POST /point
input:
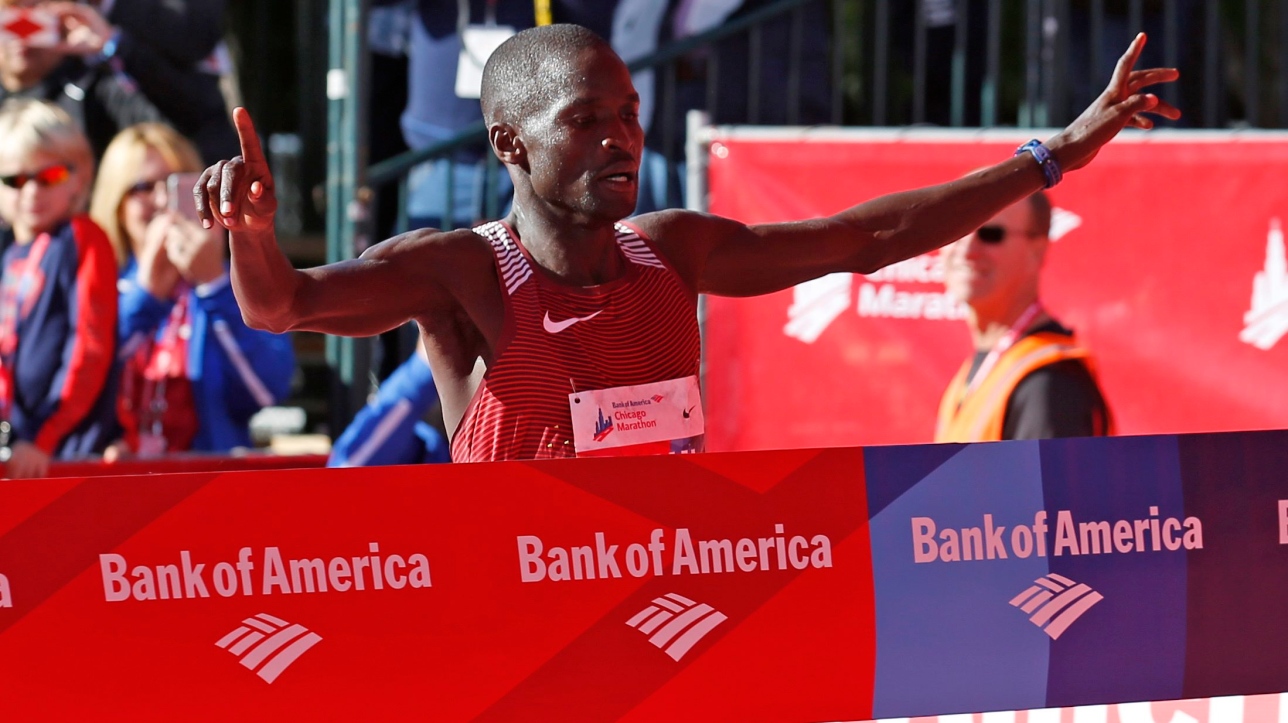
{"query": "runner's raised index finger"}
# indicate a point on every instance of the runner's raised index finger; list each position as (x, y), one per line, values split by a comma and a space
(250, 150)
(1128, 61)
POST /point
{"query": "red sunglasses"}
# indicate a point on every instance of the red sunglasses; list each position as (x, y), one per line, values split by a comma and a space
(45, 177)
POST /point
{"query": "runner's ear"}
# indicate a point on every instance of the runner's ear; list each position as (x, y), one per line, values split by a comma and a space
(506, 143)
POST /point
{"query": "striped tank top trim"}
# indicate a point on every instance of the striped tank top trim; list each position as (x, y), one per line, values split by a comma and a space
(634, 247)
(511, 263)
(515, 267)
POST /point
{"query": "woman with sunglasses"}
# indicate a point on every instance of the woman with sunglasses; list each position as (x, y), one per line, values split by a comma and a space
(193, 374)
(57, 296)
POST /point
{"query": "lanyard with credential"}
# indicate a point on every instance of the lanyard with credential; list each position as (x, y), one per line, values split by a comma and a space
(168, 361)
(12, 300)
(1008, 340)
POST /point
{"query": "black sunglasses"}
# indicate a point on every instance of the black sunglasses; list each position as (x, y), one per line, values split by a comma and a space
(144, 187)
(991, 234)
(45, 177)
(997, 234)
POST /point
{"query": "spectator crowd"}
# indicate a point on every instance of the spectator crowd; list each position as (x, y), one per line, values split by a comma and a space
(119, 332)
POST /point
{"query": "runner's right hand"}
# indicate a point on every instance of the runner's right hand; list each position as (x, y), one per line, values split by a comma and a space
(238, 194)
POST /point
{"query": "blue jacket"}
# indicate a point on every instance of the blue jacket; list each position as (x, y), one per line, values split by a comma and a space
(235, 370)
(390, 429)
(63, 396)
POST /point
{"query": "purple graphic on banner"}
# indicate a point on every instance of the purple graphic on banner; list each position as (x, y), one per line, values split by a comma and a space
(948, 556)
(1119, 527)
(1238, 485)
(900, 469)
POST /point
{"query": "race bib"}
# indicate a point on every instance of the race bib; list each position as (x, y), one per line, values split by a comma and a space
(659, 418)
(477, 44)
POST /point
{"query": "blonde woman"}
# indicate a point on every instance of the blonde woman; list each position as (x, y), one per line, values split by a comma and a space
(193, 373)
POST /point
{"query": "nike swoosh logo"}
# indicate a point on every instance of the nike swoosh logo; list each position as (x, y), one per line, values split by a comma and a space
(554, 327)
(687, 411)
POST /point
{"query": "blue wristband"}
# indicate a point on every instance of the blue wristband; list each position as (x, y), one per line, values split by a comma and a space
(1050, 167)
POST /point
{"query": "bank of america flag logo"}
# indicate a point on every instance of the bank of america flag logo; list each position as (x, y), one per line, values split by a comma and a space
(675, 623)
(1055, 602)
(268, 645)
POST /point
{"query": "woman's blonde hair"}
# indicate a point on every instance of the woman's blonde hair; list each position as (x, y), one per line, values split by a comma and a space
(30, 126)
(119, 170)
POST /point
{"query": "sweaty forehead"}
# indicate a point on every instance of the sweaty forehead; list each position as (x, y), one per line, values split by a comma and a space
(591, 78)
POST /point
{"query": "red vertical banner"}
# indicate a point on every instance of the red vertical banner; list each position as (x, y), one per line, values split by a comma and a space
(1168, 262)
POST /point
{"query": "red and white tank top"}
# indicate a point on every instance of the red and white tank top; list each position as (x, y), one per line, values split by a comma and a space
(559, 339)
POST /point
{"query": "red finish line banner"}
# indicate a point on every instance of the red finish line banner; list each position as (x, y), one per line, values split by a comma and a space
(1168, 261)
(640, 590)
(794, 586)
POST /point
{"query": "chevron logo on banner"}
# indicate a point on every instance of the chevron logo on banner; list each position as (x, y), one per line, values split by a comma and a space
(676, 623)
(268, 645)
(1056, 602)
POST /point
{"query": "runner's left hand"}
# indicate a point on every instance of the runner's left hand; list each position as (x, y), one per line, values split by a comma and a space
(1122, 104)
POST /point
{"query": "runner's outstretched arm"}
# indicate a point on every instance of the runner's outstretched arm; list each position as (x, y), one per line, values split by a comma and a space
(729, 258)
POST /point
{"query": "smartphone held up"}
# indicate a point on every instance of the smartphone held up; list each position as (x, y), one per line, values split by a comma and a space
(179, 196)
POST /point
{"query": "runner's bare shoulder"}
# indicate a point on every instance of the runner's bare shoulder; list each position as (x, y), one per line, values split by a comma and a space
(460, 262)
(683, 237)
(449, 251)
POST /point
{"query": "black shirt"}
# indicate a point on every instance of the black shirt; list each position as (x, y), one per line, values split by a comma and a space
(1056, 400)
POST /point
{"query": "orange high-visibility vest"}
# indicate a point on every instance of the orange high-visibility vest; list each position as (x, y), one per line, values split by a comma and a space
(979, 416)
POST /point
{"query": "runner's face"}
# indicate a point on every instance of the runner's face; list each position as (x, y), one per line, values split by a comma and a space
(585, 148)
(977, 272)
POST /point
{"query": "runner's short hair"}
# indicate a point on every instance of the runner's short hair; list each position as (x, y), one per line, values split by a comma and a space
(526, 72)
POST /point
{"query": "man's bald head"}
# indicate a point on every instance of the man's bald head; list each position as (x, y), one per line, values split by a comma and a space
(527, 72)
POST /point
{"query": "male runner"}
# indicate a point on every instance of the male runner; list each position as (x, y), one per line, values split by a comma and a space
(586, 325)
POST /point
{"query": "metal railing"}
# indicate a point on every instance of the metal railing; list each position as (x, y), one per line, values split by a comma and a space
(1030, 63)
(874, 63)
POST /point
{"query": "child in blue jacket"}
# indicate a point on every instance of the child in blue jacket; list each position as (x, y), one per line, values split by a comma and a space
(57, 296)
